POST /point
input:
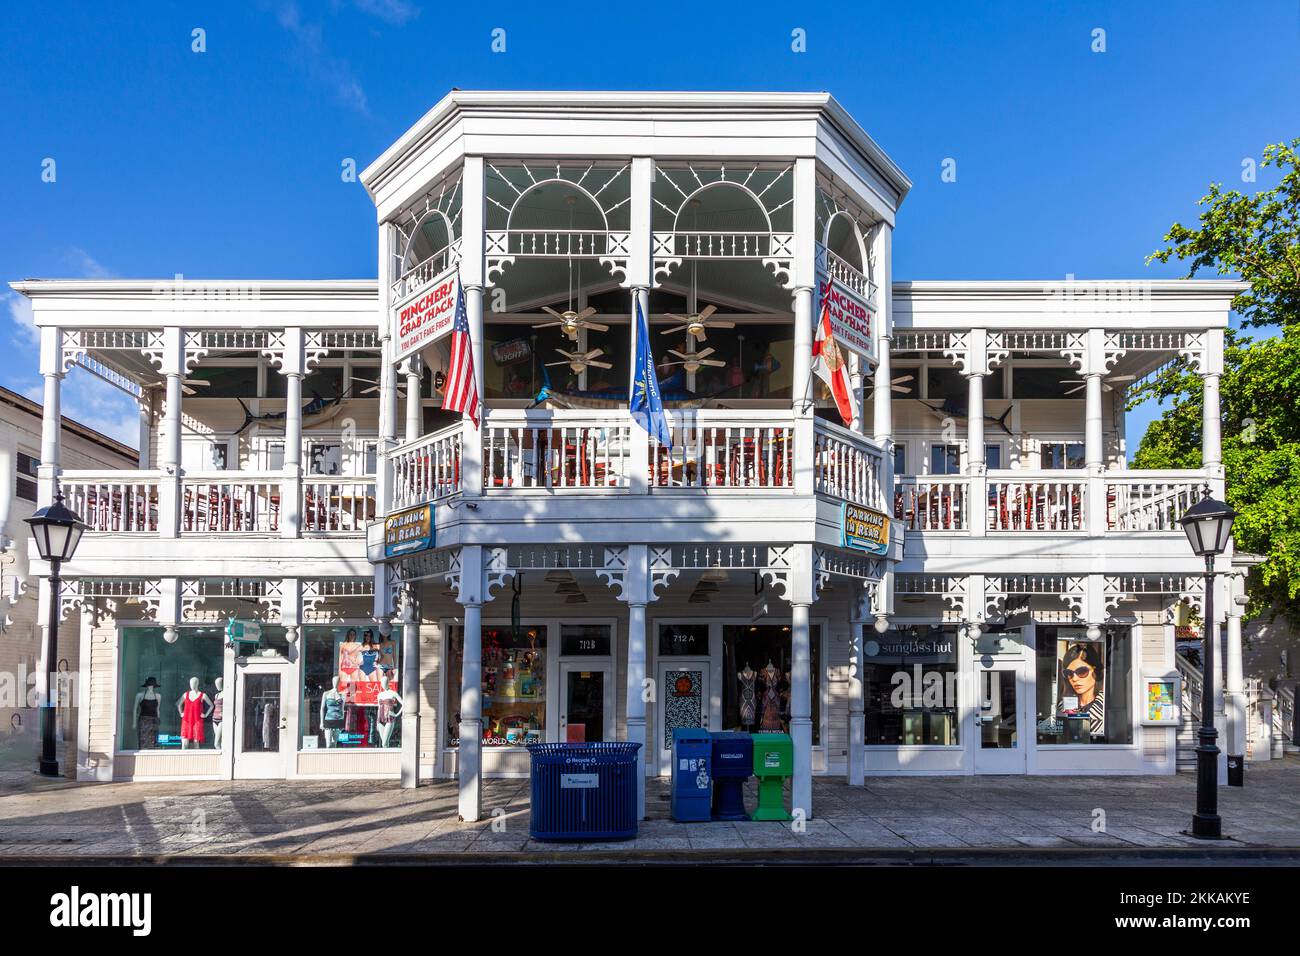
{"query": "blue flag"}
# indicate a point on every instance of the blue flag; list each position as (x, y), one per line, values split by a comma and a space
(646, 405)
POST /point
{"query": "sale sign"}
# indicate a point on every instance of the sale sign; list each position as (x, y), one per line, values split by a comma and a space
(851, 317)
(426, 316)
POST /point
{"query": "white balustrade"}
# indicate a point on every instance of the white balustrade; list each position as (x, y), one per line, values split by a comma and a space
(1029, 501)
(849, 277)
(846, 465)
(1148, 501)
(422, 273)
(724, 450)
(932, 502)
(337, 505)
(230, 502)
(427, 469)
(122, 502)
(556, 450)
(720, 245)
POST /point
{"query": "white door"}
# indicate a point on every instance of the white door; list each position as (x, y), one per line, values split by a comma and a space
(1003, 733)
(260, 730)
(587, 702)
(682, 700)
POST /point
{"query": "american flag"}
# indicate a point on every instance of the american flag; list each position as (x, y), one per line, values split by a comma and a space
(461, 393)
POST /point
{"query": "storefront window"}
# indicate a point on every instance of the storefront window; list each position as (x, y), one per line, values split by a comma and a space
(756, 678)
(156, 710)
(1085, 686)
(514, 685)
(351, 692)
(909, 686)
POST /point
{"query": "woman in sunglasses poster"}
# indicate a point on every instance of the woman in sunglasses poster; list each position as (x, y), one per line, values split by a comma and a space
(1082, 683)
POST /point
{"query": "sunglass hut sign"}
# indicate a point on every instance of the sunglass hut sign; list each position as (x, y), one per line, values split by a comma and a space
(428, 316)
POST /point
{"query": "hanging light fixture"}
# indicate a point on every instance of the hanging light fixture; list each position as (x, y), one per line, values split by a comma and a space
(558, 576)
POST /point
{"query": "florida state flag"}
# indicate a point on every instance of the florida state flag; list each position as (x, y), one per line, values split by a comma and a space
(828, 362)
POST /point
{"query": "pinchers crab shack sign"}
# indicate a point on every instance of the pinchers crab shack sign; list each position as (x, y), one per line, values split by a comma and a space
(852, 317)
(427, 316)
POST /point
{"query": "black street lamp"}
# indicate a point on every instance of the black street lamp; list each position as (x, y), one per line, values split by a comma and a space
(1208, 526)
(57, 531)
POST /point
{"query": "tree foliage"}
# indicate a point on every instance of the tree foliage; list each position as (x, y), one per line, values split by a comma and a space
(1258, 239)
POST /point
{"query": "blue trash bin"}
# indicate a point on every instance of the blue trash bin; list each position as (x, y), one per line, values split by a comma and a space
(583, 792)
(692, 780)
(733, 764)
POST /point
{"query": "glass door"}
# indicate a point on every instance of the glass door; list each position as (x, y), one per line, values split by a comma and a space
(682, 694)
(1001, 742)
(261, 725)
(587, 703)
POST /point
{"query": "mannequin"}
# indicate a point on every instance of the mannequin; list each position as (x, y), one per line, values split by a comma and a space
(218, 708)
(194, 707)
(144, 715)
(770, 719)
(390, 708)
(331, 712)
(748, 702)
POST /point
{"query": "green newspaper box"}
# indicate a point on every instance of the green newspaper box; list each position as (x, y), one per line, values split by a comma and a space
(773, 763)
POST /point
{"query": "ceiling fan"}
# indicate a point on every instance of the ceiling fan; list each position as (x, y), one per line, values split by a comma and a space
(899, 384)
(570, 321)
(698, 324)
(187, 384)
(1105, 383)
(374, 385)
(694, 361)
(579, 361)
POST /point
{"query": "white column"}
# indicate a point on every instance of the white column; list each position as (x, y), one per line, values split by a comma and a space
(414, 377)
(858, 614)
(856, 379)
(636, 709)
(882, 395)
(169, 435)
(144, 405)
(291, 482)
(803, 339)
(410, 677)
(1093, 446)
(1211, 426)
(801, 708)
(469, 766)
(387, 379)
(51, 416)
(1233, 684)
(474, 279)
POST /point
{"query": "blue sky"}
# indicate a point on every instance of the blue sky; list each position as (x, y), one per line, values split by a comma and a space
(226, 163)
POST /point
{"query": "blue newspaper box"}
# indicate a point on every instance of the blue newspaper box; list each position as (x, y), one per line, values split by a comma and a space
(733, 764)
(692, 781)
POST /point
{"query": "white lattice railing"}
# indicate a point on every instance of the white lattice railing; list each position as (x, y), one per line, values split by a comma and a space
(846, 465)
(722, 245)
(1043, 501)
(337, 505)
(421, 274)
(122, 502)
(230, 502)
(932, 502)
(556, 449)
(1149, 501)
(427, 469)
(849, 277)
(732, 449)
(555, 243)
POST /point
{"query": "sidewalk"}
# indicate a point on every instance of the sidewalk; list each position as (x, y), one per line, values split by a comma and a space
(911, 819)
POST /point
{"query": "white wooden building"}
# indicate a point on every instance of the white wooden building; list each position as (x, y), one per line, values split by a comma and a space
(587, 581)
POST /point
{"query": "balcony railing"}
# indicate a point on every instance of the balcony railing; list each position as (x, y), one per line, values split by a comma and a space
(724, 450)
(1044, 501)
(931, 503)
(230, 503)
(846, 465)
(118, 502)
(427, 469)
(1149, 500)
(555, 450)
(337, 505)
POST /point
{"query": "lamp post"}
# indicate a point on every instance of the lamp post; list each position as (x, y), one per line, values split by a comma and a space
(1208, 526)
(57, 532)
